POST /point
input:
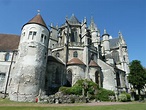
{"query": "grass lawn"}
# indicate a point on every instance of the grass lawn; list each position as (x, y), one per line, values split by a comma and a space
(34, 106)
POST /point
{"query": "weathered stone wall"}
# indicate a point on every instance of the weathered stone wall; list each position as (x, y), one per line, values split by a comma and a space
(78, 72)
(55, 77)
(28, 73)
(62, 53)
(109, 81)
(122, 79)
(5, 67)
(92, 71)
(79, 51)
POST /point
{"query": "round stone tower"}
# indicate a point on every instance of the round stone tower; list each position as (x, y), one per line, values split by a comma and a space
(28, 74)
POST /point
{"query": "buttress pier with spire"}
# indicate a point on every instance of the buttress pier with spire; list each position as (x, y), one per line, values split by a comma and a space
(46, 58)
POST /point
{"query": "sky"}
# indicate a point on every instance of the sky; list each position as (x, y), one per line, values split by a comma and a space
(127, 16)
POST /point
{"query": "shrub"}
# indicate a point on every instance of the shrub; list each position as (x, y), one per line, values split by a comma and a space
(128, 97)
(103, 94)
(122, 97)
(64, 90)
(124, 94)
(76, 89)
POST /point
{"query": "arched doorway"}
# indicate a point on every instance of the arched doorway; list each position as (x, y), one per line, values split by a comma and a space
(69, 78)
(97, 77)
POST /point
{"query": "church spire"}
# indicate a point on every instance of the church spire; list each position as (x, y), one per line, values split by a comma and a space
(120, 34)
(93, 26)
(105, 32)
(121, 38)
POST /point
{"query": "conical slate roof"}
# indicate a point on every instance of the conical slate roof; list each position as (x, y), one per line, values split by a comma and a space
(93, 64)
(74, 20)
(75, 61)
(37, 20)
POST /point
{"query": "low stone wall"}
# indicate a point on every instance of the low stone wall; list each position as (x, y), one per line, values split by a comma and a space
(61, 99)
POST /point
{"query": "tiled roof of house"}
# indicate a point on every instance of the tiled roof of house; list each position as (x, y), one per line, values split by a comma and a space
(93, 64)
(75, 61)
(9, 42)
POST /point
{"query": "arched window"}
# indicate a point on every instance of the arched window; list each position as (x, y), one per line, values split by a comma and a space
(32, 34)
(118, 79)
(23, 34)
(75, 54)
(92, 56)
(57, 54)
(69, 78)
(73, 35)
(2, 79)
(115, 55)
(42, 37)
(7, 55)
(97, 77)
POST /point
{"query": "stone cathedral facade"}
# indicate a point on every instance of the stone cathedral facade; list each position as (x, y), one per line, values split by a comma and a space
(42, 58)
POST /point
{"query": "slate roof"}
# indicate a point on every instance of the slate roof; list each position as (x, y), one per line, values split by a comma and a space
(53, 59)
(114, 42)
(9, 42)
(75, 61)
(73, 20)
(37, 20)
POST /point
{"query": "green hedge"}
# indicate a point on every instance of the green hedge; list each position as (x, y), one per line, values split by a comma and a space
(91, 89)
(89, 86)
(103, 94)
(124, 97)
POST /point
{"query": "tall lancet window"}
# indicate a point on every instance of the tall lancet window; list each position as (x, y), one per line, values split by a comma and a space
(34, 34)
(73, 35)
(115, 55)
(31, 35)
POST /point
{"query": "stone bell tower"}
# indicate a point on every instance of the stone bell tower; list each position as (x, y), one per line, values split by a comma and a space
(29, 71)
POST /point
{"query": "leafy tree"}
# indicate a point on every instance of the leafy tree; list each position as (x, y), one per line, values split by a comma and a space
(137, 75)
